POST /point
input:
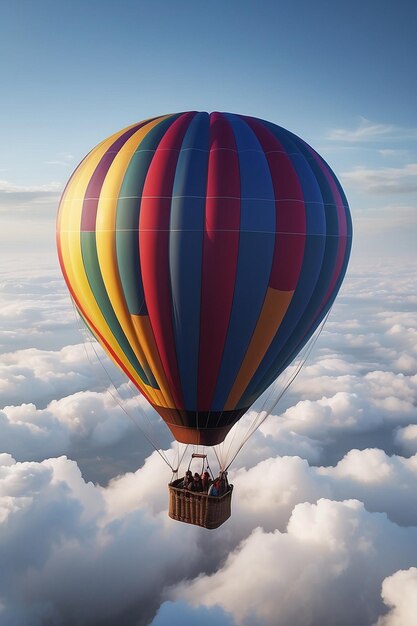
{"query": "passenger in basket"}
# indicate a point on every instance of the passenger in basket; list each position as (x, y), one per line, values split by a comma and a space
(197, 484)
(214, 488)
(224, 484)
(188, 479)
(205, 479)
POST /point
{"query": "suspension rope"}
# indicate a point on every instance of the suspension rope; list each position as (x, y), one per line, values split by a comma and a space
(135, 396)
(263, 415)
(179, 460)
(217, 457)
(219, 450)
(252, 427)
(117, 396)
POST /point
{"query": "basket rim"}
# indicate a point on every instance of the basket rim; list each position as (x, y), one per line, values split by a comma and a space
(180, 490)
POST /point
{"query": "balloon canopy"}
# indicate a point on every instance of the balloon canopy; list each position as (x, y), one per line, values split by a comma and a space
(203, 251)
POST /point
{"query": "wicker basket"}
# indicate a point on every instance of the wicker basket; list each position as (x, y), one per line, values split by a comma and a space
(199, 508)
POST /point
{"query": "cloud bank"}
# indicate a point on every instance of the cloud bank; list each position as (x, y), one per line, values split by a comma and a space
(323, 508)
(84, 554)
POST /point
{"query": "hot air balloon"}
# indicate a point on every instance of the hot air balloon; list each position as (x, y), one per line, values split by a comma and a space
(203, 251)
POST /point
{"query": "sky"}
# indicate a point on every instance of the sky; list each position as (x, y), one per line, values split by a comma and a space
(324, 507)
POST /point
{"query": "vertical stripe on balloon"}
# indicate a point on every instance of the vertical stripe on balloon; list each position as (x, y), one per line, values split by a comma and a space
(273, 311)
(154, 223)
(186, 249)
(90, 253)
(71, 256)
(202, 252)
(335, 221)
(220, 252)
(127, 248)
(288, 254)
(127, 216)
(342, 224)
(309, 275)
(308, 322)
(255, 254)
(290, 211)
(106, 250)
(97, 286)
(88, 217)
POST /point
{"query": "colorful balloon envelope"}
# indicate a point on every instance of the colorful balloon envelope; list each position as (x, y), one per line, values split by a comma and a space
(203, 251)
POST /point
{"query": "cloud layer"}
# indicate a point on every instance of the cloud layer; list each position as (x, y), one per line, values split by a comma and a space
(27, 197)
(91, 555)
(323, 508)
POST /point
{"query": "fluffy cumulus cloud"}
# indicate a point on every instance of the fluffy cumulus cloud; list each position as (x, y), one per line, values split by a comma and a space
(406, 437)
(358, 389)
(55, 394)
(65, 559)
(329, 550)
(324, 502)
(269, 491)
(28, 431)
(84, 554)
(35, 311)
(42, 375)
(399, 593)
(107, 431)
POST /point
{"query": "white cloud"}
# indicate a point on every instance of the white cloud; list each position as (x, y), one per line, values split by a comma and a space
(406, 437)
(62, 158)
(373, 477)
(399, 593)
(124, 557)
(384, 220)
(6, 459)
(68, 562)
(40, 375)
(363, 404)
(370, 467)
(387, 180)
(367, 131)
(28, 197)
(360, 379)
(330, 550)
(35, 309)
(391, 152)
(7, 187)
(351, 409)
(267, 492)
(94, 420)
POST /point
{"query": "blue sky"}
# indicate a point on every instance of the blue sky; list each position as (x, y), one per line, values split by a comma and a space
(341, 75)
(75, 71)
